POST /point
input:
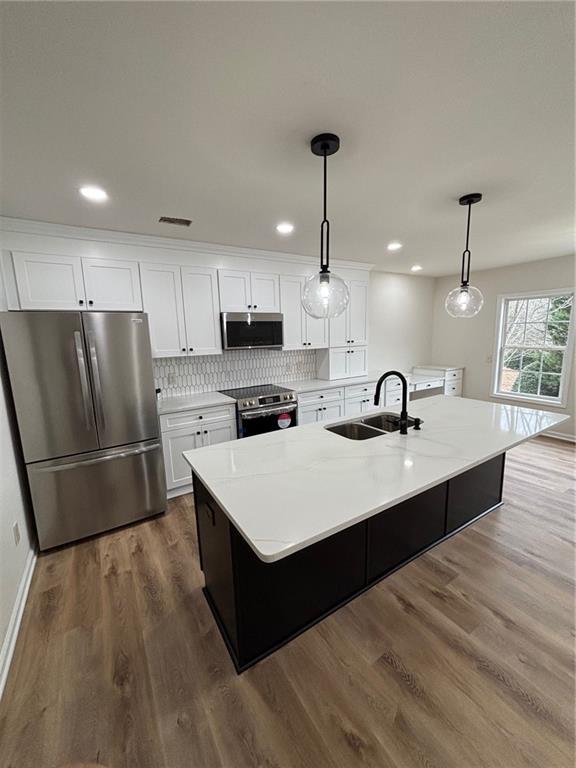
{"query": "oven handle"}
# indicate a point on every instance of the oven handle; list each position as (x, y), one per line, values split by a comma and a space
(267, 412)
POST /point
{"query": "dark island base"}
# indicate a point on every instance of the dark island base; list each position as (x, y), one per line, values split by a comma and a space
(260, 606)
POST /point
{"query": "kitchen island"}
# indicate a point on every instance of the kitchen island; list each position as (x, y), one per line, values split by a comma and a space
(293, 524)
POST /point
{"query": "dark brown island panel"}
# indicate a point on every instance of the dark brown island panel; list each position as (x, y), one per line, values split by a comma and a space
(260, 606)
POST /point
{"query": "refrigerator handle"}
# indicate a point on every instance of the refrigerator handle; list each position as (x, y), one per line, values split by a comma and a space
(99, 460)
(97, 384)
(86, 399)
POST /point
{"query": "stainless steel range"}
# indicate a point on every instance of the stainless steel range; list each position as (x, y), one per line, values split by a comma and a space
(264, 408)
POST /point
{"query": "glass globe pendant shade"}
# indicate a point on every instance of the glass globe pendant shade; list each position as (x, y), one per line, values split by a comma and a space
(464, 301)
(325, 295)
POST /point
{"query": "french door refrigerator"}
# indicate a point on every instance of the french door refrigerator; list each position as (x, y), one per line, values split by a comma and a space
(85, 404)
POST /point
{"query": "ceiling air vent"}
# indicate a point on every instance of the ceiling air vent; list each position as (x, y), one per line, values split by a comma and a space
(174, 220)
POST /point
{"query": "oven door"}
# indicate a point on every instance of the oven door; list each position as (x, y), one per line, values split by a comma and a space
(250, 330)
(263, 420)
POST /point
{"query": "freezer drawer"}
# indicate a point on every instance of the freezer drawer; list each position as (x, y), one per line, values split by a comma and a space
(100, 490)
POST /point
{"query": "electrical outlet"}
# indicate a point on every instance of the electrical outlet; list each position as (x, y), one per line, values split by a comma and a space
(16, 532)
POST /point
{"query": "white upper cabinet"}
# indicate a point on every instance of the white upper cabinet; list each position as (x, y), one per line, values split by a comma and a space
(201, 310)
(235, 290)
(293, 314)
(46, 281)
(182, 307)
(351, 327)
(248, 291)
(112, 285)
(358, 313)
(342, 362)
(300, 330)
(162, 299)
(265, 292)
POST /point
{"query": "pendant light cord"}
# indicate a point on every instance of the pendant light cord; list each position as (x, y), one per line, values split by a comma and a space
(325, 226)
(465, 272)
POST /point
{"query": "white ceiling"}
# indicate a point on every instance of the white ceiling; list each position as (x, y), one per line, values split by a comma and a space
(205, 111)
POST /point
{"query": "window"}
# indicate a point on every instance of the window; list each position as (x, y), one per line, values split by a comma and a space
(534, 343)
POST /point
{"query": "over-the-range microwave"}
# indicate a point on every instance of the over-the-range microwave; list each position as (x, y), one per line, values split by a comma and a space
(250, 330)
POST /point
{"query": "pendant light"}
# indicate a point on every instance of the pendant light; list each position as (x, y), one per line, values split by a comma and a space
(325, 294)
(466, 300)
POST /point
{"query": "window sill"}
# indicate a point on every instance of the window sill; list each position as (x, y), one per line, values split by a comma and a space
(551, 402)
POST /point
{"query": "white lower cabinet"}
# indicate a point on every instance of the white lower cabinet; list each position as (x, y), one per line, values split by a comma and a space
(358, 406)
(309, 414)
(187, 430)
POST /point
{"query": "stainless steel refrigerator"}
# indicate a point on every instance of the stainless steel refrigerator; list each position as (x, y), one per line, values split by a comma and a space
(85, 405)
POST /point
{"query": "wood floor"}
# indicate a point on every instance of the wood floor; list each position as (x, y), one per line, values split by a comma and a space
(462, 659)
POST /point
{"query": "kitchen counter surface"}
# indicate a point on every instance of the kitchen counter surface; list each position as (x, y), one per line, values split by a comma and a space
(191, 402)
(310, 385)
(287, 489)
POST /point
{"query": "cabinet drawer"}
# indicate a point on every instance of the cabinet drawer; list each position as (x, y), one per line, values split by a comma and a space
(394, 398)
(180, 419)
(393, 384)
(456, 373)
(321, 395)
(453, 388)
(361, 390)
(430, 385)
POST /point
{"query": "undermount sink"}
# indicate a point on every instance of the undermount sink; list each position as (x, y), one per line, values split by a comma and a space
(355, 431)
(372, 426)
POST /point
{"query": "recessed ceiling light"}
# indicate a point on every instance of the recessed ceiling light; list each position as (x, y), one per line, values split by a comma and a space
(415, 268)
(285, 228)
(95, 194)
(395, 245)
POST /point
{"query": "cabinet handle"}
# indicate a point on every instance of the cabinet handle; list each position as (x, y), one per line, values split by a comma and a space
(198, 433)
(321, 397)
(183, 349)
(81, 302)
(90, 302)
(200, 417)
(191, 349)
(255, 306)
(205, 431)
(249, 306)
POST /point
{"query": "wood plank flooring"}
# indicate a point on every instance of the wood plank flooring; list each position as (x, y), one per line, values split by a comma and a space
(462, 659)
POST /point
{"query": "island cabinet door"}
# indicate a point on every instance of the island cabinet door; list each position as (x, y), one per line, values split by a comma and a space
(399, 533)
(474, 492)
(278, 600)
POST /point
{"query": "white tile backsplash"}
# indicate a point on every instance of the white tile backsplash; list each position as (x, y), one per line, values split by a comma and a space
(239, 368)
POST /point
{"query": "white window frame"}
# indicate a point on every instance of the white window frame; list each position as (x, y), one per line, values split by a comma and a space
(561, 400)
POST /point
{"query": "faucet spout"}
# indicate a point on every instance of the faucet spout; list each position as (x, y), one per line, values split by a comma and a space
(404, 410)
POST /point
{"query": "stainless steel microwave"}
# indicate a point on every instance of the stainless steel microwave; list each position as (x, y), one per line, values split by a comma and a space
(250, 330)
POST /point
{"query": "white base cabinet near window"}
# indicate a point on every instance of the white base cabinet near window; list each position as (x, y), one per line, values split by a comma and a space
(51, 281)
(183, 310)
(453, 378)
(187, 430)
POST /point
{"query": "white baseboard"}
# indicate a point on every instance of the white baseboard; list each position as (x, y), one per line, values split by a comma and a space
(9, 643)
(179, 491)
(560, 436)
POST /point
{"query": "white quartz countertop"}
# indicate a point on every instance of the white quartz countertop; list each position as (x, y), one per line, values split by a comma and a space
(191, 402)
(310, 385)
(287, 489)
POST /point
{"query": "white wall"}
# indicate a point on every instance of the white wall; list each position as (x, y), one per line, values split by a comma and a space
(15, 561)
(471, 342)
(400, 331)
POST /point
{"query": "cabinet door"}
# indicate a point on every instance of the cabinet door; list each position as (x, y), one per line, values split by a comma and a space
(339, 329)
(357, 361)
(308, 414)
(339, 363)
(316, 332)
(332, 411)
(112, 285)
(358, 313)
(178, 471)
(46, 281)
(265, 290)
(353, 407)
(162, 299)
(474, 492)
(218, 433)
(201, 310)
(235, 292)
(291, 308)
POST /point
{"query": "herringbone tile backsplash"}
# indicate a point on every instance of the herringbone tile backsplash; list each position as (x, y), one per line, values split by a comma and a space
(239, 368)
